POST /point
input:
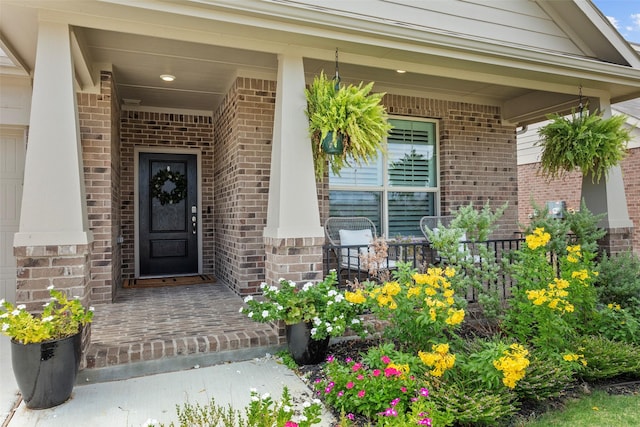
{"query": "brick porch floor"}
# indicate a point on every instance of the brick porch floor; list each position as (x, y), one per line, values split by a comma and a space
(170, 323)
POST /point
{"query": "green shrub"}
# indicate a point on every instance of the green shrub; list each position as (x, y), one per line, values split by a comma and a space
(608, 359)
(471, 403)
(618, 281)
(616, 323)
(546, 378)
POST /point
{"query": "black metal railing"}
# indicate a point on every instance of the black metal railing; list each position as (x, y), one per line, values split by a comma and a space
(352, 262)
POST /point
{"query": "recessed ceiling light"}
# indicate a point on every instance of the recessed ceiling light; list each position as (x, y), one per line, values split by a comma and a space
(401, 71)
(167, 77)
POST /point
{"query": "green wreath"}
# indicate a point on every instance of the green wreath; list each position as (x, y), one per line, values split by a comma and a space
(176, 195)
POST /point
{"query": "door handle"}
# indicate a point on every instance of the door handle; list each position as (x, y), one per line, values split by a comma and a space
(194, 220)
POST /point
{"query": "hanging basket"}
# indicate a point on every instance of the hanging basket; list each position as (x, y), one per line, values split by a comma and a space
(331, 146)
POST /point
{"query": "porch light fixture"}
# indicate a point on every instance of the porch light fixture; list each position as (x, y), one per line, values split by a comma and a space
(167, 77)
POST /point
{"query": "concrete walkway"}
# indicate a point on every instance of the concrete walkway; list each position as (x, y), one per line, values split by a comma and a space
(131, 402)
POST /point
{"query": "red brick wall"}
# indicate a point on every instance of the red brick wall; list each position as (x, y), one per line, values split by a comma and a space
(569, 189)
(97, 127)
(243, 133)
(153, 129)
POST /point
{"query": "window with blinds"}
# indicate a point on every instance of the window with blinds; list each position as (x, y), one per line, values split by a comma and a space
(398, 188)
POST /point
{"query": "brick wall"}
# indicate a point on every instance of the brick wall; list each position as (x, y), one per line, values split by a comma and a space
(477, 154)
(243, 133)
(531, 184)
(100, 174)
(153, 129)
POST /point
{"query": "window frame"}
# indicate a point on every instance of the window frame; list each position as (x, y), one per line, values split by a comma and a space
(386, 188)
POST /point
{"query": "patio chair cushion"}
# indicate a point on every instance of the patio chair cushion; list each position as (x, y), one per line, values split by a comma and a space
(362, 238)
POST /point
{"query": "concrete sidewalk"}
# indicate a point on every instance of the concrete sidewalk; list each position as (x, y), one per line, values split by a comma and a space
(131, 402)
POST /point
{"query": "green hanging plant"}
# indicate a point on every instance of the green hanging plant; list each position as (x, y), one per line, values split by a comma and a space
(585, 142)
(350, 113)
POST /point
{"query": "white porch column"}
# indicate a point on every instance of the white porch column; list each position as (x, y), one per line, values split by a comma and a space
(53, 203)
(293, 201)
(608, 195)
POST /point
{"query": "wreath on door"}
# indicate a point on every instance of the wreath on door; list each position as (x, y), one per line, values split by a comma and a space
(174, 196)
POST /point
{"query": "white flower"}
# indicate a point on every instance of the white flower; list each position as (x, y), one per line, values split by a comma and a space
(76, 297)
(5, 327)
(313, 331)
(332, 293)
(253, 390)
(46, 304)
(317, 321)
(248, 298)
(306, 404)
(15, 312)
(339, 297)
(302, 418)
(266, 396)
(255, 398)
(316, 401)
(265, 313)
(287, 408)
(279, 307)
(241, 310)
(250, 314)
(49, 287)
(2, 301)
(263, 285)
(307, 286)
(150, 423)
(329, 302)
(355, 321)
(21, 307)
(329, 329)
(4, 315)
(274, 289)
(92, 308)
(47, 319)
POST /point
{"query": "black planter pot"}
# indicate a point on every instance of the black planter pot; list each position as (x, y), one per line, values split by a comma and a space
(304, 349)
(46, 371)
(328, 145)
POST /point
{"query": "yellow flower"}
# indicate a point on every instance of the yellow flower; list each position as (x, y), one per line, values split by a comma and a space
(450, 272)
(391, 288)
(538, 238)
(580, 275)
(513, 364)
(561, 283)
(439, 359)
(414, 291)
(455, 317)
(430, 291)
(356, 297)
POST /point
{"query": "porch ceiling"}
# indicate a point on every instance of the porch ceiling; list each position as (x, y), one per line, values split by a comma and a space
(207, 48)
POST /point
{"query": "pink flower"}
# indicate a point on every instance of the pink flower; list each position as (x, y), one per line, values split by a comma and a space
(361, 394)
(330, 358)
(385, 360)
(356, 367)
(424, 392)
(395, 401)
(350, 385)
(348, 360)
(360, 377)
(388, 372)
(376, 372)
(351, 416)
(290, 424)
(390, 412)
(340, 393)
(425, 422)
(403, 389)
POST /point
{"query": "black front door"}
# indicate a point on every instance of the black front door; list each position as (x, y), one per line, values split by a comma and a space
(168, 214)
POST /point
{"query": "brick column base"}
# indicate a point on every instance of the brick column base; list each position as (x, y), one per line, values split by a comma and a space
(66, 267)
(295, 259)
(617, 240)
